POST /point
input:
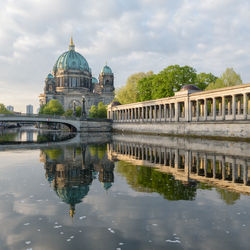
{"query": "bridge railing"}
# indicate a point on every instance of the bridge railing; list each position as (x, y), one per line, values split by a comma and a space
(41, 116)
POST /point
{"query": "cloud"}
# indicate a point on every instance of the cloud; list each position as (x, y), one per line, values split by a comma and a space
(132, 36)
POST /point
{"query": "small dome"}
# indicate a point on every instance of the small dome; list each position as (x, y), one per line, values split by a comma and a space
(94, 80)
(115, 103)
(190, 87)
(106, 70)
(50, 76)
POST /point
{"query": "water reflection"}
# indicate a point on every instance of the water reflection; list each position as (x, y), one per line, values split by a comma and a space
(131, 193)
(186, 165)
(72, 170)
(28, 135)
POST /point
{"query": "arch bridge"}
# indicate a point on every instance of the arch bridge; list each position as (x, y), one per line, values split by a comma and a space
(72, 123)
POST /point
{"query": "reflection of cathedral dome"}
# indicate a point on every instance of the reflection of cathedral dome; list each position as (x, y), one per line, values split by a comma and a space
(94, 80)
(71, 60)
(106, 70)
(107, 185)
(73, 195)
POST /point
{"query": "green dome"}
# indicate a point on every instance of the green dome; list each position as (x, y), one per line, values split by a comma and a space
(106, 70)
(94, 80)
(71, 60)
(50, 76)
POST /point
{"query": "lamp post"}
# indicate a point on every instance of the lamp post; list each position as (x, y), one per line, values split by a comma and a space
(74, 108)
(83, 107)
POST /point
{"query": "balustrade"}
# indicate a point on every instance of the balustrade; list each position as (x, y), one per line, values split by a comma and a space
(231, 103)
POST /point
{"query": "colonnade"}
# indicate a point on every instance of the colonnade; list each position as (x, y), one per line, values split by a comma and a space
(190, 163)
(232, 103)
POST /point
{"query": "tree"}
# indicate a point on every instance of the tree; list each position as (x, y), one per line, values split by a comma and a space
(98, 112)
(144, 89)
(78, 111)
(53, 107)
(101, 110)
(204, 79)
(68, 113)
(165, 83)
(228, 78)
(4, 110)
(128, 93)
(93, 112)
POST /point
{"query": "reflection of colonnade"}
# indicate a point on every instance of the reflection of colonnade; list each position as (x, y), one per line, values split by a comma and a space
(189, 104)
(224, 170)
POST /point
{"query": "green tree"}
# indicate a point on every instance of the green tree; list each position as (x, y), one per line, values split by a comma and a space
(4, 110)
(128, 93)
(144, 89)
(68, 113)
(53, 107)
(78, 111)
(93, 112)
(228, 78)
(101, 110)
(204, 79)
(98, 112)
(165, 83)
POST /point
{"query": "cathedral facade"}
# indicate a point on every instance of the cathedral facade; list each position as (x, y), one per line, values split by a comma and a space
(72, 79)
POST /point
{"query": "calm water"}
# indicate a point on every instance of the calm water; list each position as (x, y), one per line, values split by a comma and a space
(127, 193)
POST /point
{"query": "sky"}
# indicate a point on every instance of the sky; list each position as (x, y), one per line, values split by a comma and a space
(130, 35)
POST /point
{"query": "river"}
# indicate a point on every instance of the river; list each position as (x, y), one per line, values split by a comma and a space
(72, 191)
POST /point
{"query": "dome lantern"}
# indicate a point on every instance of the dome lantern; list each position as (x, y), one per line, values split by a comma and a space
(72, 45)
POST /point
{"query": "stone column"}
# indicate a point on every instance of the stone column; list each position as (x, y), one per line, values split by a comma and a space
(197, 110)
(192, 110)
(205, 165)
(151, 113)
(176, 159)
(229, 106)
(245, 174)
(214, 167)
(239, 106)
(234, 166)
(248, 110)
(170, 112)
(187, 163)
(165, 112)
(198, 163)
(160, 155)
(165, 157)
(214, 108)
(155, 113)
(220, 108)
(233, 107)
(245, 105)
(205, 109)
(223, 168)
(160, 112)
(223, 107)
(177, 111)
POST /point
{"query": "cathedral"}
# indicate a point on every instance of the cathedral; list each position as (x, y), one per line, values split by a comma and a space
(72, 79)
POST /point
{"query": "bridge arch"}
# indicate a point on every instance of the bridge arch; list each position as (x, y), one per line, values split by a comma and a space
(73, 125)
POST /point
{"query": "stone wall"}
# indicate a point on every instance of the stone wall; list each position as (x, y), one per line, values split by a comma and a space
(95, 125)
(227, 129)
